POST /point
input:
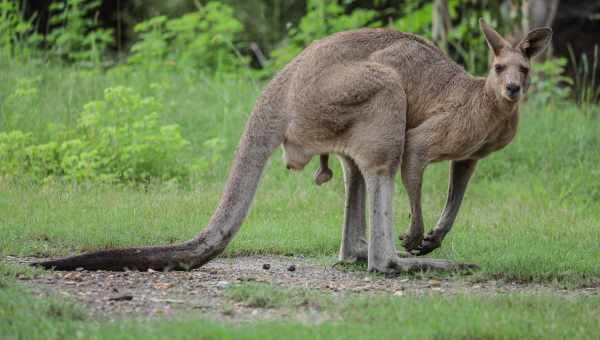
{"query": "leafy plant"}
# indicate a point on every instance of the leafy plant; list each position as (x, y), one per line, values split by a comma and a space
(204, 39)
(152, 47)
(549, 82)
(76, 36)
(12, 152)
(117, 139)
(17, 36)
(416, 18)
(18, 104)
(467, 43)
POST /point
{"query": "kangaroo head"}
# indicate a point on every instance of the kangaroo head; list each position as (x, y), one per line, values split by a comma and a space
(510, 65)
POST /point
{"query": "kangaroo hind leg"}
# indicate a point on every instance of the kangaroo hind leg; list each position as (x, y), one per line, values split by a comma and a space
(354, 229)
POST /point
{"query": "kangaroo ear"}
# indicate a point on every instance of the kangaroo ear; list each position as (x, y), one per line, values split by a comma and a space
(535, 42)
(494, 40)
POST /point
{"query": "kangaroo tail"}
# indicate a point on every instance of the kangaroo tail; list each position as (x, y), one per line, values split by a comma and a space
(263, 133)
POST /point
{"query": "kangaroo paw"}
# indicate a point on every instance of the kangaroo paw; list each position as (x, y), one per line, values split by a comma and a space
(411, 241)
(430, 243)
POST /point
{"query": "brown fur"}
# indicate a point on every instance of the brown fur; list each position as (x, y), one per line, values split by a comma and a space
(382, 100)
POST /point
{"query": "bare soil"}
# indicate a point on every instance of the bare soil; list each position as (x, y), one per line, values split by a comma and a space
(115, 295)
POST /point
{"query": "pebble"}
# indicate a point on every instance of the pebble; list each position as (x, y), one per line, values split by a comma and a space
(222, 284)
(435, 283)
(125, 297)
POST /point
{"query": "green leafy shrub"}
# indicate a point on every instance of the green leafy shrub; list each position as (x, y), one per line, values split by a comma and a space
(117, 139)
(76, 37)
(416, 17)
(467, 44)
(17, 104)
(204, 39)
(152, 46)
(12, 152)
(120, 139)
(548, 81)
(17, 36)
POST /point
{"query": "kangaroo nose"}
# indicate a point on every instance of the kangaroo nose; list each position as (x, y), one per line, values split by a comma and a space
(513, 89)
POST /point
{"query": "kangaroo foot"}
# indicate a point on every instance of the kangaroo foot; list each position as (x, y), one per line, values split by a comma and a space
(431, 242)
(396, 265)
(411, 241)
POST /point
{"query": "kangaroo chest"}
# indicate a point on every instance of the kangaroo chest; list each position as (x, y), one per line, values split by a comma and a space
(498, 137)
(448, 139)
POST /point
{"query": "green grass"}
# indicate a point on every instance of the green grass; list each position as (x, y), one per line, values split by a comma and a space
(531, 213)
(261, 295)
(515, 316)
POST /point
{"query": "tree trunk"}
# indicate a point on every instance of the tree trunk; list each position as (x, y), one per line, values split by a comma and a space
(538, 13)
(441, 23)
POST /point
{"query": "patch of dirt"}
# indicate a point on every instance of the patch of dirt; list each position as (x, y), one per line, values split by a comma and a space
(115, 295)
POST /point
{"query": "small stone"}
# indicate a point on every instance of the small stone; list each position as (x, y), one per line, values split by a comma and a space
(79, 269)
(125, 297)
(435, 283)
(247, 279)
(291, 268)
(266, 266)
(163, 285)
(222, 284)
(399, 293)
(150, 270)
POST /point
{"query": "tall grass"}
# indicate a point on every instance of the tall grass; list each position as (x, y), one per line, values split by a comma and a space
(586, 84)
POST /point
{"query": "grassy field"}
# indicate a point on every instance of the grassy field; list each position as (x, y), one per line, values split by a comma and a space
(514, 316)
(530, 215)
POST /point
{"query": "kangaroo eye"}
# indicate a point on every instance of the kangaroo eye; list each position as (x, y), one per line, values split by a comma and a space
(499, 68)
(524, 70)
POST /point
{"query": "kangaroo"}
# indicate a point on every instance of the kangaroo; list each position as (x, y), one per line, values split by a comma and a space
(382, 101)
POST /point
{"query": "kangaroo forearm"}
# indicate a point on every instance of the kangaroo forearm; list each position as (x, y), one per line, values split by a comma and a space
(460, 174)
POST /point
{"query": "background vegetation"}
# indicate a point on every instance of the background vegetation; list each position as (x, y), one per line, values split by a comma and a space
(113, 135)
